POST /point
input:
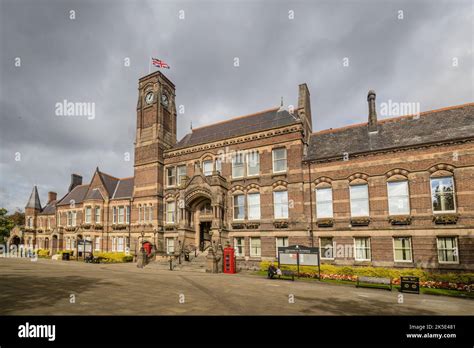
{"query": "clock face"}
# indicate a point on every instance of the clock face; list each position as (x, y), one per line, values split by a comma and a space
(164, 100)
(149, 98)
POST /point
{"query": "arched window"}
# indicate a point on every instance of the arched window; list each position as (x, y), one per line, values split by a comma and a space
(443, 198)
(324, 202)
(398, 195)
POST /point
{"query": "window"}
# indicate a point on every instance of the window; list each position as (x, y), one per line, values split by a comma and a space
(144, 212)
(255, 247)
(121, 215)
(402, 249)
(30, 222)
(74, 216)
(327, 248)
(69, 218)
(398, 198)
(442, 195)
(68, 243)
(120, 244)
(97, 215)
(170, 174)
(238, 165)
(239, 246)
(59, 219)
(49, 223)
(448, 250)
(181, 174)
(127, 214)
(114, 244)
(97, 243)
(253, 163)
(207, 167)
(218, 165)
(281, 242)
(170, 212)
(359, 200)
(324, 203)
(150, 213)
(280, 204)
(88, 215)
(239, 207)
(139, 213)
(114, 215)
(253, 206)
(170, 245)
(279, 160)
(362, 249)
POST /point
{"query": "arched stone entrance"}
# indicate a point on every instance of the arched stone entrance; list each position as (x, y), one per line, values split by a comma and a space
(16, 240)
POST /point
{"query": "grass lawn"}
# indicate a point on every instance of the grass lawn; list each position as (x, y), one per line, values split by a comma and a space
(426, 291)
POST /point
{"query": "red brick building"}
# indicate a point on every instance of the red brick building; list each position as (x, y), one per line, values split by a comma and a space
(395, 192)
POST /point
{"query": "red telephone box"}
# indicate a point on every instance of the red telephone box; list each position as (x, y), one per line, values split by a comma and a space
(147, 247)
(229, 260)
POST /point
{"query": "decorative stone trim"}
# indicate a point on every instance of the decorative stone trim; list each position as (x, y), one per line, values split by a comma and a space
(280, 224)
(360, 221)
(280, 183)
(325, 222)
(323, 179)
(170, 227)
(358, 176)
(397, 171)
(400, 220)
(253, 225)
(86, 226)
(237, 188)
(98, 227)
(441, 166)
(70, 229)
(253, 186)
(119, 227)
(238, 226)
(445, 219)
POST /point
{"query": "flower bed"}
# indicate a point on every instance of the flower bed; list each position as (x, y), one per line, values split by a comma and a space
(453, 281)
(105, 257)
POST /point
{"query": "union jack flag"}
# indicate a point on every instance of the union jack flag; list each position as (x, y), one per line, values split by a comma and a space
(159, 63)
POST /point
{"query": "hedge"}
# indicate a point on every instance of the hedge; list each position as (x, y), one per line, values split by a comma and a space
(43, 253)
(109, 257)
(430, 279)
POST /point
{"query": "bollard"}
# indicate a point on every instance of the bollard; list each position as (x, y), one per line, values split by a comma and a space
(171, 264)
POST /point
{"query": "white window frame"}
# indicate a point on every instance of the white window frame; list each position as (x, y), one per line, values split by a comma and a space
(218, 165)
(69, 218)
(74, 218)
(97, 243)
(179, 175)
(88, 215)
(68, 243)
(120, 244)
(97, 215)
(150, 212)
(168, 176)
(127, 214)
(365, 248)
(114, 215)
(252, 254)
(233, 207)
(322, 247)
(172, 212)
(208, 162)
(352, 200)
(454, 195)
(318, 213)
(456, 249)
(407, 197)
(280, 159)
(275, 210)
(121, 215)
(241, 245)
(168, 245)
(285, 243)
(241, 165)
(254, 206)
(248, 161)
(395, 249)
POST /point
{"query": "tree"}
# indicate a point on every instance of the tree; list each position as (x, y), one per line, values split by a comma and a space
(6, 224)
(18, 218)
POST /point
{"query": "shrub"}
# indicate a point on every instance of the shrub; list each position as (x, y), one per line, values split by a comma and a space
(112, 257)
(43, 253)
(61, 252)
(460, 281)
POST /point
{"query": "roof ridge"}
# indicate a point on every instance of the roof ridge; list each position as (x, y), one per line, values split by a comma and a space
(110, 176)
(116, 187)
(237, 118)
(393, 119)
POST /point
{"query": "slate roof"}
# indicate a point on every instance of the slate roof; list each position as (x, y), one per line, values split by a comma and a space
(456, 122)
(94, 194)
(77, 194)
(124, 188)
(34, 201)
(110, 182)
(237, 126)
(49, 209)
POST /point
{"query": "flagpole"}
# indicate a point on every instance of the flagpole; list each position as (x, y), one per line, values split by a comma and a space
(149, 70)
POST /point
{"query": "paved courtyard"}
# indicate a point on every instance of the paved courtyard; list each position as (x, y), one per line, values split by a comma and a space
(45, 287)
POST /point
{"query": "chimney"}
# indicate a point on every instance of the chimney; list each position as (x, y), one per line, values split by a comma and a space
(76, 180)
(372, 112)
(52, 196)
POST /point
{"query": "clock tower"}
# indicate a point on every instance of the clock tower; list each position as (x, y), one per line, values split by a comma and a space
(156, 132)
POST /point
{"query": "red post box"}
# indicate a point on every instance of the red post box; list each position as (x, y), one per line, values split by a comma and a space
(229, 260)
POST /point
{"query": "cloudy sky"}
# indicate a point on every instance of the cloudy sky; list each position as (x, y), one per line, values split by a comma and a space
(424, 57)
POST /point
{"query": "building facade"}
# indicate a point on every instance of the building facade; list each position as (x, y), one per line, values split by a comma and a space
(396, 192)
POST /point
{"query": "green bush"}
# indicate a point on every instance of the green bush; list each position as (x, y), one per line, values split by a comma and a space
(111, 257)
(61, 252)
(393, 273)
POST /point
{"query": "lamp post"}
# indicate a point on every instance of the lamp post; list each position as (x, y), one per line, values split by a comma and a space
(310, 233)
